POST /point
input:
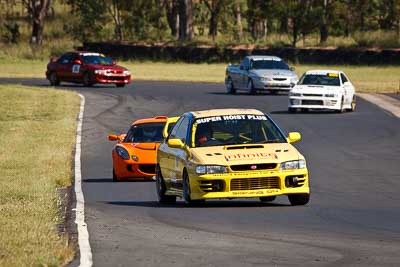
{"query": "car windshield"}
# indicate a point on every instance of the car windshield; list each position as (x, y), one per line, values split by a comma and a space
(235, 129)
(96, 59)
(145, 133)
(331, 79)
(269, 64)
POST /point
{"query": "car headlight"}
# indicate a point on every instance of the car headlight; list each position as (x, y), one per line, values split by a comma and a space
(330, 95)
(294, 80)
(100, 71)
(122, 152)
(127, 72)
(210, 169)
(264, 79)
(293, 164)
(294, 94)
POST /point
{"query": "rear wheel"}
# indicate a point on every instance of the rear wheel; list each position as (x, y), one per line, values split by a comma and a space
(161, 189)
(86, 80)
(230, 87)
(250, 88)
(267, 199)
(54, 80)
(186, 192)
(120, 84)
(299, 199)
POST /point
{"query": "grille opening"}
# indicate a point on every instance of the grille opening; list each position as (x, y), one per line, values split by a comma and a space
(312, 95)
(312, 102)
(255, 183)
(253, 167)
(279, 79)
(294, 181)
(212, 186)
(147, 168)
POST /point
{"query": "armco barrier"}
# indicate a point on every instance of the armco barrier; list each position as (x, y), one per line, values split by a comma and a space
(215, 54)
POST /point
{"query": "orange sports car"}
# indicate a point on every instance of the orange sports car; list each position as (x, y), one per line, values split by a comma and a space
(134, 155)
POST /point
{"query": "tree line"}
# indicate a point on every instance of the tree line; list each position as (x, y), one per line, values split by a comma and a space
(185, 20)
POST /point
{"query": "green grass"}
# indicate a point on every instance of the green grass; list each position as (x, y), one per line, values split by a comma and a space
(365, 78)
(37, 135)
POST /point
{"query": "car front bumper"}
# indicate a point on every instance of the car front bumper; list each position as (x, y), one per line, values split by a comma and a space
(112, 78)
(285, 85)
(332, 103)
(125, 169)
(249, 184)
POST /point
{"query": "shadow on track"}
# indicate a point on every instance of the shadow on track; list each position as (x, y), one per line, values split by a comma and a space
(109, 180)
(208, 204)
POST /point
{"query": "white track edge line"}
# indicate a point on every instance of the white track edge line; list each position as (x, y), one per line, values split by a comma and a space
(83, 234)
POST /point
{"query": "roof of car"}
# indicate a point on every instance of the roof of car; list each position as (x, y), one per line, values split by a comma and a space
(323, 72)
(148, 120)
(224, 112)
(266, 57)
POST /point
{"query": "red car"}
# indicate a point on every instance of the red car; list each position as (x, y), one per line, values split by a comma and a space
(87, 68)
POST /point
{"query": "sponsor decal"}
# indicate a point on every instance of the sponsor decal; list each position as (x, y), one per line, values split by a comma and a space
(335, 75)
(255, 193)
(76, 68)
(232, 118)
(250, 156)
(90, 54)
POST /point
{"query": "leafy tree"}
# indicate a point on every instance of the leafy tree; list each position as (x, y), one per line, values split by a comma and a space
(37, 10)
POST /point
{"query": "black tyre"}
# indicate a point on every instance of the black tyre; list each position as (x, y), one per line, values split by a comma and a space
(353, 105)
(341, 109)
(54, 80)
(267, 199)
(161, 189)
(299, 199)
(250, 88)
(120, 84)
(186, 192)
(115, 178)
(87, 80)
(230, 87)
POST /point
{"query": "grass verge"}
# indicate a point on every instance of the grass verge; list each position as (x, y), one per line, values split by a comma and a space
(367, 79)
(37, 135)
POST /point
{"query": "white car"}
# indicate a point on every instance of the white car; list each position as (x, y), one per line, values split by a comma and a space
(323, 89)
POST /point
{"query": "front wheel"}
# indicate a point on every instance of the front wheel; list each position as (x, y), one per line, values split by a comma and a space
(86, 80)
(230, 86)
(353, 104)
(54, 80)
(341, 109)
(161, 189)
(186, 192)
(299, 199)
(250, 88)
(115, 178)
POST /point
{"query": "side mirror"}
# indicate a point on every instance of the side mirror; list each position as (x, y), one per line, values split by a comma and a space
(293, 137)
(113, 137)
(175, 143)
(77, 61)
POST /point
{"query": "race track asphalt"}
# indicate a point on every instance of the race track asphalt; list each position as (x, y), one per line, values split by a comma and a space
(353, 218)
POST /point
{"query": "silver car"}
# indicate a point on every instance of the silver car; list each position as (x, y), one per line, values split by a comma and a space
(260, 73)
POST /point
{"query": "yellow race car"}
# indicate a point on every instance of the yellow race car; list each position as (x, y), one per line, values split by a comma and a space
(230, 153)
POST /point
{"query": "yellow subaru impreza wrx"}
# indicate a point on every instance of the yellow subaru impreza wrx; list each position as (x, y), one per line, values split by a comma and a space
(230, 153)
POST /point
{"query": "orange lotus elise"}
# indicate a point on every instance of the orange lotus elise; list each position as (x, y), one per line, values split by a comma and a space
(134, 155)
